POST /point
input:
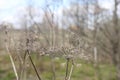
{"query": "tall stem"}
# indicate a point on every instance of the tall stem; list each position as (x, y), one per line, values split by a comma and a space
(67, 67)
(71, 70)
(28, 52)
(11, 59)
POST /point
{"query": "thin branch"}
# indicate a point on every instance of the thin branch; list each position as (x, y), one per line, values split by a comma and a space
(34, 65)
(67, 67)
(71, 70)
(11, 58)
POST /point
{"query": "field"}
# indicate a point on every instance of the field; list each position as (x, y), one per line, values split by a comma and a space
(83, 70)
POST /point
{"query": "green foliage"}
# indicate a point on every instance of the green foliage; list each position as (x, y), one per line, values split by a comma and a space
(7, 76)
(84, 72)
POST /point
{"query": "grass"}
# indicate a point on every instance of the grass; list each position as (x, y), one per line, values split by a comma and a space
(84, 72)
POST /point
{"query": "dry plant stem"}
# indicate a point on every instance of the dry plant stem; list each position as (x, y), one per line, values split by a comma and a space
(11, 59)
(67, 67)
(28, 52)
(23, 70)
(13, 64)
(33, 65)
(19, 58)
(71, 70)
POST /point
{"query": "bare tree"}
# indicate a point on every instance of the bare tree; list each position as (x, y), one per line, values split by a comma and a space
(109, 41)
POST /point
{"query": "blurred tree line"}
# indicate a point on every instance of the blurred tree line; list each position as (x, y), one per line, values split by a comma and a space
(83, 30)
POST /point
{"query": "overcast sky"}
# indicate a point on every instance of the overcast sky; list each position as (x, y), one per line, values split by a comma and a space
(10, 9)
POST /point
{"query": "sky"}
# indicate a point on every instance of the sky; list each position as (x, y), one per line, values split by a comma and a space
(10, 10)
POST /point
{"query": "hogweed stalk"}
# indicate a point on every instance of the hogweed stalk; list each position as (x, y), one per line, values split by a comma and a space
(10, 55)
